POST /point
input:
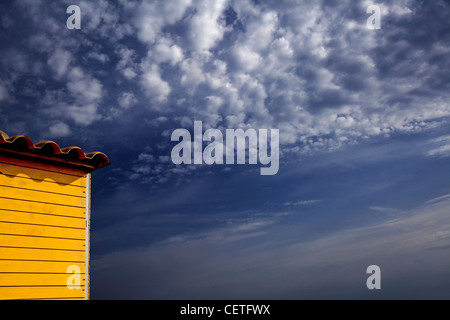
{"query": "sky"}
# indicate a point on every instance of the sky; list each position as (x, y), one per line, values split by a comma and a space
(364, 143)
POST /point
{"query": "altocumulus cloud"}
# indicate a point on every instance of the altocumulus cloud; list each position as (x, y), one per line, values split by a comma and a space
(322, 78)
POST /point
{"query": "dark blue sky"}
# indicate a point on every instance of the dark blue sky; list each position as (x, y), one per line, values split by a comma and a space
(364, 141)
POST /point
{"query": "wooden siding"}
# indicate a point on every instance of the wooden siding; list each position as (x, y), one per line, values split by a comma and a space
(43, 230)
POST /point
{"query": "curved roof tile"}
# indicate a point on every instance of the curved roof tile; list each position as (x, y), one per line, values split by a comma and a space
(48, 150)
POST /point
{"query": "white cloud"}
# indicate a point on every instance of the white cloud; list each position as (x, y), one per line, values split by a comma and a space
(245, 59)
(80, 106)
(84, 88)
(205, 28)
(151, 17)
(301, 202)
(126, 100)
(166, 51)
(129, 73)
(102, 18)
(126, 62)
(438, 199)
(439, 147)
(59, 129)
(152, 84)
(83, 114)
(261, 27)
(145, 157)
(192, 74)
(98, 56)
(59, 62)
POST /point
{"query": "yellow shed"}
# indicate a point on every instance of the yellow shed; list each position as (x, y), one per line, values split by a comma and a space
(44, 219)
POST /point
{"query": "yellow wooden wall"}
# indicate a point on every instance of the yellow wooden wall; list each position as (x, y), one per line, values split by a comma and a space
(43, 230)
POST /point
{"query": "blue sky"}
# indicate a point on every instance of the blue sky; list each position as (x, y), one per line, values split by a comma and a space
(364, 141)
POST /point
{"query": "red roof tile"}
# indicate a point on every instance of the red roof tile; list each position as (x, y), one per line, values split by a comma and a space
(49, 151)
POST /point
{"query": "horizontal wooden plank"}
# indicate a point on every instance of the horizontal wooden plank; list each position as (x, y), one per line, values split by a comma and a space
(22, 181)
(51, 299)
(39, 242)
(37, 266)
(41, 197)
(41, 254)
(37, 279)
(43, 219)
(38, 207)
(38, 171)
(41, 231)
(22, 293)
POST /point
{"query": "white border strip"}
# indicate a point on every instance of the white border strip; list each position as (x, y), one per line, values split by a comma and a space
(87, 242)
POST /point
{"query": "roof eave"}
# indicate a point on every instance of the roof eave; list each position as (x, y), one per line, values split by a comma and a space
(59, 162)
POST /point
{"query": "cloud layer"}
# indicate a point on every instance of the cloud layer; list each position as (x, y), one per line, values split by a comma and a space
(311, 69)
